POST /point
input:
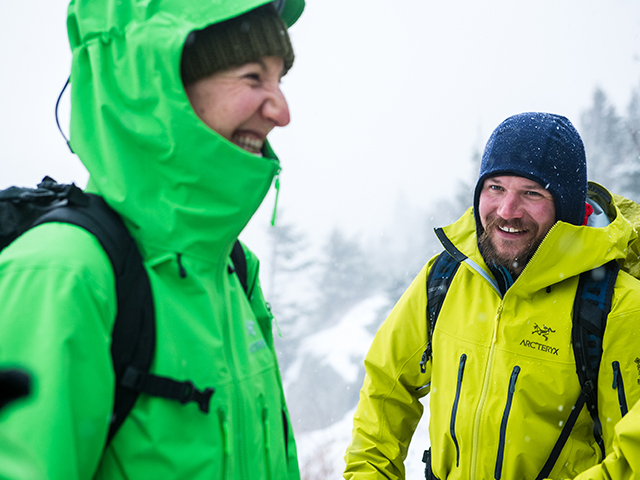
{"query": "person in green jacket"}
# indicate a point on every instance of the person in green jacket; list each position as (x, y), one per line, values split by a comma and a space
(171, 105)
(502, 375)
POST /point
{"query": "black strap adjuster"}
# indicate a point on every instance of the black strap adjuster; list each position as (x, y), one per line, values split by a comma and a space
(157, 386)
(191, 394)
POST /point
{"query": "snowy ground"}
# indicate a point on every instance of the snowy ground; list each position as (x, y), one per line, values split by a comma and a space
(321, 453)
(343, 348)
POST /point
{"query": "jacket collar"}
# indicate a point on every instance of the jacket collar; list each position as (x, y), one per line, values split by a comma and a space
(565, 252)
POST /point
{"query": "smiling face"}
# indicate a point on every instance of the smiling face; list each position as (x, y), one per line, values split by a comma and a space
(516, 214)
(242, 104)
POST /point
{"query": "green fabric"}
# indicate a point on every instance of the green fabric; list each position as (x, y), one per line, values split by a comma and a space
(185, 193)
(496, 335)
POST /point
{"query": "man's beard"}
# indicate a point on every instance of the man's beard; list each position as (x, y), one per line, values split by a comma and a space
(514, 264)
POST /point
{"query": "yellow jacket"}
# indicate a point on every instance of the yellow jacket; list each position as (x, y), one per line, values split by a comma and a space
(624, 460)
(503, 376)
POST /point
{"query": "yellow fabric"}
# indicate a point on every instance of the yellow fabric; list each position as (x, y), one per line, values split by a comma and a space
(520, 342)
(624, 461)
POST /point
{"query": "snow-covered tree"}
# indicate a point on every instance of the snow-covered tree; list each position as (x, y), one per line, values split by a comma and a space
(629, 170)
(347, 276)
(290, 291)
(603, 134)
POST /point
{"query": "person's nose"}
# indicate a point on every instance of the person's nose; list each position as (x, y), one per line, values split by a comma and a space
(276, 108)
(510, 206)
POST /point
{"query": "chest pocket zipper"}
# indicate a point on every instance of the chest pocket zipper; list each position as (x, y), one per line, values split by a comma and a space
(454, 410)
(505, 418)
(618, 385)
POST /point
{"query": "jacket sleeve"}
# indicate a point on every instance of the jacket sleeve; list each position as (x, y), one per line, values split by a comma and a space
(389, 408)
(623, 463)
(58, 305)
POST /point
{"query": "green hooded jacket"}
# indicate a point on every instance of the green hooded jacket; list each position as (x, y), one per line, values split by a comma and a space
(185, 194)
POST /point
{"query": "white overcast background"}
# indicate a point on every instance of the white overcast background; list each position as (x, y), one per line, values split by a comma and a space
(387, 98)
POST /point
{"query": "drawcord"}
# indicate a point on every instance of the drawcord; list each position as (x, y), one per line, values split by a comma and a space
(275, 205)
(57, 119)
(273, 224)
(274, 319)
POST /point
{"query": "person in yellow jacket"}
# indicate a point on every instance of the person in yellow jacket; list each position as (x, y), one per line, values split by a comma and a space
(502, 375)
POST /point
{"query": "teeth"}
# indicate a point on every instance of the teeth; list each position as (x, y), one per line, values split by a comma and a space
(250, 144)
(510, 230)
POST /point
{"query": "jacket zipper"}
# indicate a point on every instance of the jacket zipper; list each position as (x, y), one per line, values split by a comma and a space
(505, 418)
(618, 385)
(454, 410)
(483, 397)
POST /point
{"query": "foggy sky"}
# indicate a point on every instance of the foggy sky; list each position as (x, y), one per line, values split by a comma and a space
(386, 98)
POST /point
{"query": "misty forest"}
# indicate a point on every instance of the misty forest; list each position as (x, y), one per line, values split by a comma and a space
(328, 305)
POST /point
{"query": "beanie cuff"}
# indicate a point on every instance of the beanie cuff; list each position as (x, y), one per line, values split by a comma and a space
(247, 38)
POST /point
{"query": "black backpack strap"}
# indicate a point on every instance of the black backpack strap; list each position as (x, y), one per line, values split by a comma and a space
(590, 310)
(14, 384)
(426, 459)
(566, 431)
(240, 264)
(438, 281)
(134, 334)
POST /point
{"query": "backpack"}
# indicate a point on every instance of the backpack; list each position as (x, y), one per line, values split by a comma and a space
(133, 336)
(591, 307)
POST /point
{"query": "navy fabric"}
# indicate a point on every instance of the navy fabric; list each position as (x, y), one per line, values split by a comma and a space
(543, 147)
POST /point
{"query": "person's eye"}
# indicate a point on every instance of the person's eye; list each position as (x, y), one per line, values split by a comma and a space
(533, 193)
(495, 187)
(253, 76)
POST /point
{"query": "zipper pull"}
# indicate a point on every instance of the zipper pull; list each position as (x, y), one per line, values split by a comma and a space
(423, 361)
(275, 205)
(514, 377)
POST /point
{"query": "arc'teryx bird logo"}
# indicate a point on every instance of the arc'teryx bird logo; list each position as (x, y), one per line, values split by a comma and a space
(544, 331)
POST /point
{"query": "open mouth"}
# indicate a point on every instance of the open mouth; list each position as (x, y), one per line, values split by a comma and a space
(507, 229)
(249, 143)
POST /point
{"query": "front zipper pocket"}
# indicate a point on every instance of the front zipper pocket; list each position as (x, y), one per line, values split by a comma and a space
(505, 418)
(266, 437)
(618, 385)
(454, 410)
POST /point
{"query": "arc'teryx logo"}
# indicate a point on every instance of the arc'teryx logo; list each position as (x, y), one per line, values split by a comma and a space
(544, 331)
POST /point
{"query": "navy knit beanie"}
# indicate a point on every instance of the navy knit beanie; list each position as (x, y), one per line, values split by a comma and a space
(542, 147)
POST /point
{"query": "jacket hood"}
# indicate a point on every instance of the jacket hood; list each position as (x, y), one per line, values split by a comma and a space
(568, 250)
(179, 186)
